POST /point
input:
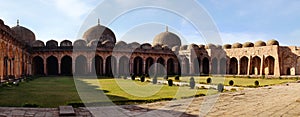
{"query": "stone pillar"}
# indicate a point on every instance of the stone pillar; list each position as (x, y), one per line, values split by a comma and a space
(239, 67)
(262, 65)
(104, 66)
(144, 67)
(45, 66)
(1, 68)
(249, 65)
(59, 67)
(117, 68)
(73, 66)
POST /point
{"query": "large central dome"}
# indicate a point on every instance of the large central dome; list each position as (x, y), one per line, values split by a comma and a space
(23, 34)
(167, 38)
(100, 33)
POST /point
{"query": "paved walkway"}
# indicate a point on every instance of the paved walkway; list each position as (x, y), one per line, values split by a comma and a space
(275, 101)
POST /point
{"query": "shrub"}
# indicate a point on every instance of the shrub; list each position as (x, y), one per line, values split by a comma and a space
(231, 82)
(220, 87)
(177, 77)
(208, 80)
(142, 78)
(132, 77)
(256, 83)
(30, 105)
(154, 80)
(170, 82)
(192, 83)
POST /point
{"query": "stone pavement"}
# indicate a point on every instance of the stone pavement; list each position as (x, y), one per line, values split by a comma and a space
(280, 100)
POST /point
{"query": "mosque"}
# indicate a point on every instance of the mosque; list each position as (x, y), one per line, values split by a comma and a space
(98, 52)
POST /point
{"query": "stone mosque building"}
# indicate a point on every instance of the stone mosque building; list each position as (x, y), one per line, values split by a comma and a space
(99, 53)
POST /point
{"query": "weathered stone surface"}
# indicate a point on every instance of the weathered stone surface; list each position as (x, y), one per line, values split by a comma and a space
(66, 110)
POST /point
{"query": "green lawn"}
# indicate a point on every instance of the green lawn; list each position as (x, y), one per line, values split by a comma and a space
(56, 91)
(237, 81)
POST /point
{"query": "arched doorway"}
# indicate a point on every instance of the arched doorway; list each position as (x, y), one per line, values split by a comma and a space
(223, 66)
(244, 65)
(149, 67)
(81, 65)
(205, 67)
(52, 66)
(196, 66)
(110, 66)
(269, 65)
(255, 65)
(214, 66)
(97, 65)
(233, 66)
(160, 68)
(124, 66)
(66, 65)
(170, 67)
(38, 66)
(138, 66)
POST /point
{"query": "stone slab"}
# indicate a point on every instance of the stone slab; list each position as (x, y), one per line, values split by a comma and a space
(66, 110)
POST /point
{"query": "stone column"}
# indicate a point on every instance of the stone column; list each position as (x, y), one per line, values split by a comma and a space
(249, 65)
(59, 67)
(45, 67)
(1, 68)
(239, 67)
(104, 66)
(262, 65)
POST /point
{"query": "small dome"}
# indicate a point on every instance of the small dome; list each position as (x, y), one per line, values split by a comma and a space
(23, 34)
(146, 46)
(184, 47)
(52, 43)
(248, 44)
(65, 43)
(210, 46)
(175, 49)
(99, 32)
(37, 43)
(201, 46)
(157, 47)
(134, 45)
(237, 45)
(80, 43)
(259, 44)
(121, 43)
(227, 46)
(272, 42)
(167, 38)
(193, 46)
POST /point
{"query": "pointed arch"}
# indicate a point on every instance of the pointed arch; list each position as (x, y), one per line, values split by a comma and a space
(97, 65)
(233, 66)
(66, 65)
(255, 65)
(110, 65)
(37, 65)
(205, 66)
(269, 65)
(244, 65)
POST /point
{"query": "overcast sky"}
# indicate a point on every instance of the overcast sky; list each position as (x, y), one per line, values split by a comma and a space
(237, 21)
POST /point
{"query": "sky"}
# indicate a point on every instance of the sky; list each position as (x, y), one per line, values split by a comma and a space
(236, 20)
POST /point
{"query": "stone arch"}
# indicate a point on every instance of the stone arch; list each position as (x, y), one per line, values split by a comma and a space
(110, 65)
(138, 66)
(66, 65)
(97, 65)
(196, 66)
(205, 66)
(81, 65)
(149, 67)
(255, 65)
(124, 66)
(233, 66)
(214, 66)
(269, 65)
(38, 65)
(244, 65)
(170, 66)
(52, 65)
(223, 66)
(160, 70)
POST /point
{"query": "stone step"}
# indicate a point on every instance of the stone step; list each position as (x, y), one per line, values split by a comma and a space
(66, 111)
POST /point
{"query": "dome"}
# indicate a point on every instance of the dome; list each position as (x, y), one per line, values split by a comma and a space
(79, 43)
(248, 44)
(1, 22)
(37, 43)
(259, 44)
(272, 42)
(99, 32)
(193, 46)
(167, 38)
(66, 43)
(237, 45)
(134, 45)
(157, 47)
(146, 46)
(23, 34)
(210, 46)
(51, 43)
(227, 46)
